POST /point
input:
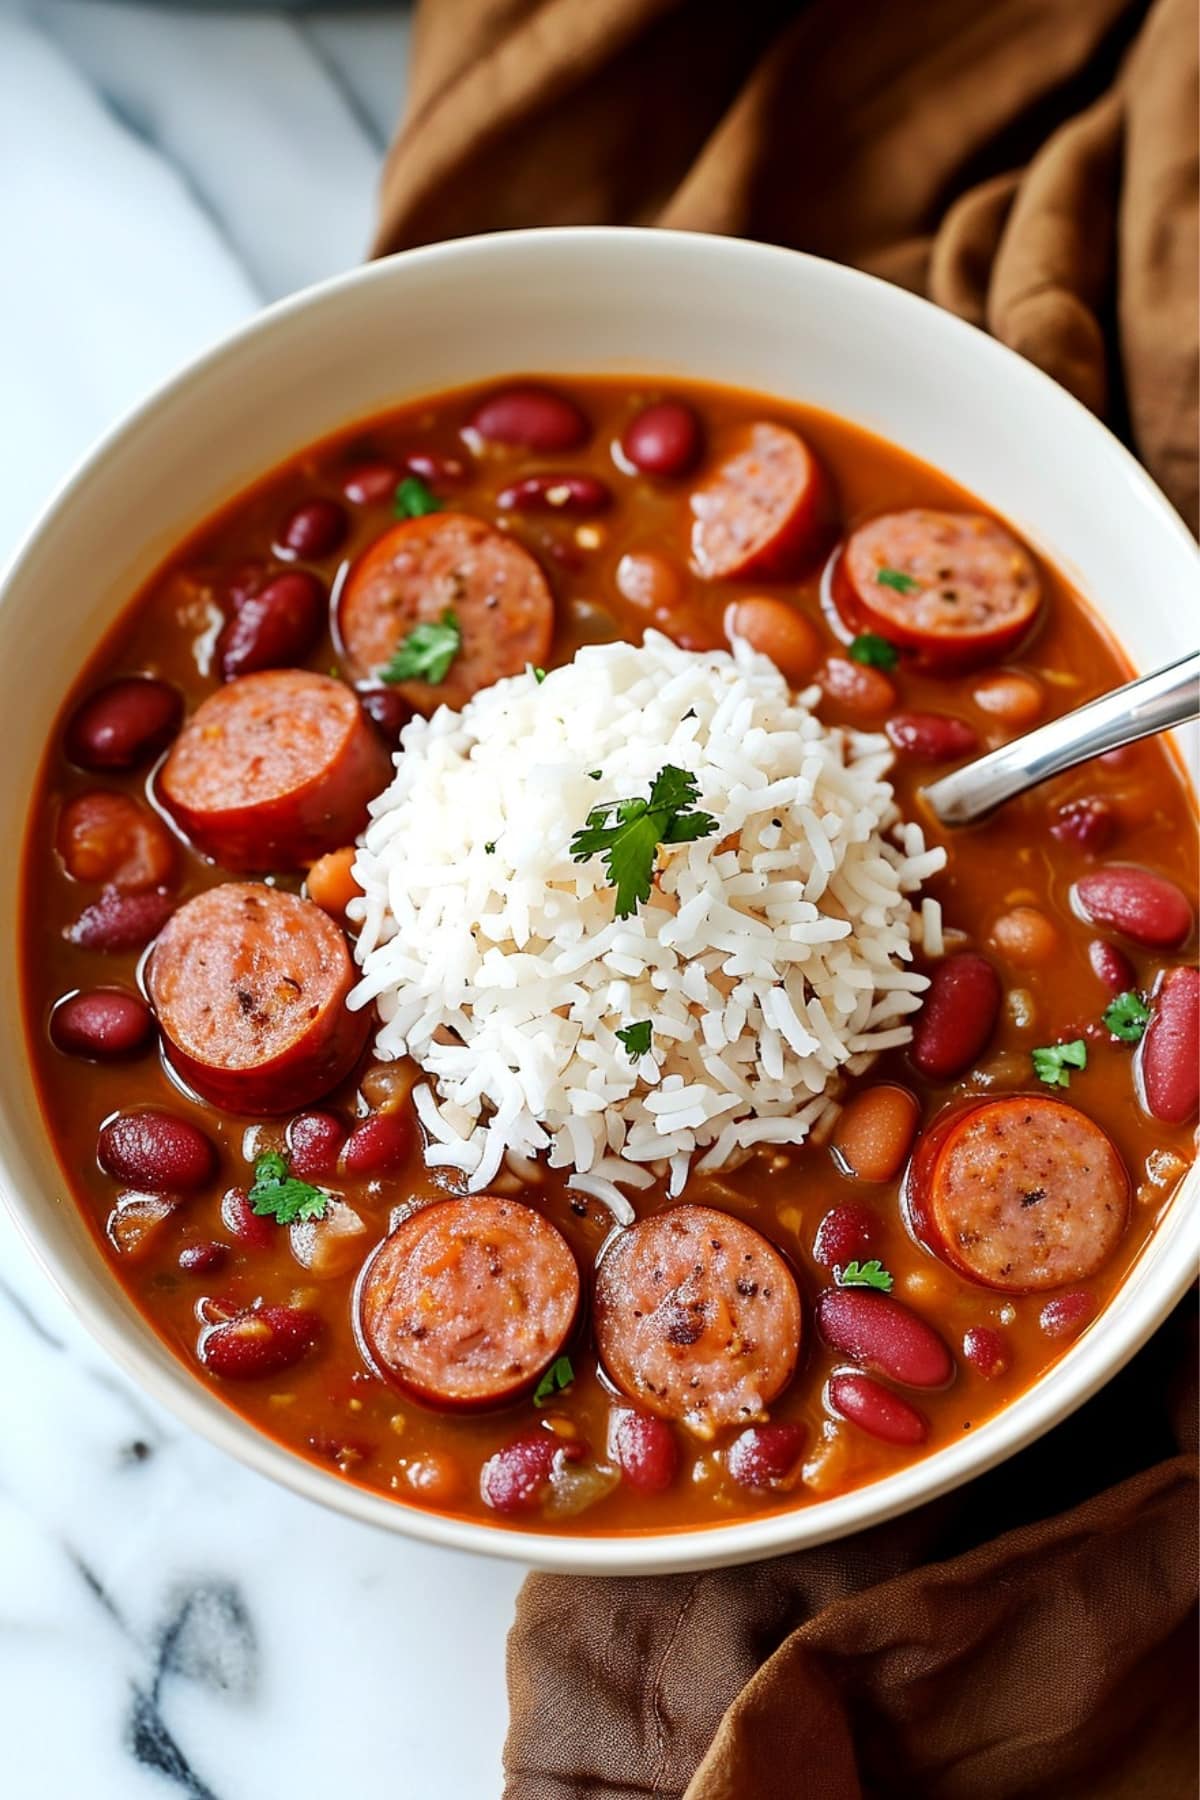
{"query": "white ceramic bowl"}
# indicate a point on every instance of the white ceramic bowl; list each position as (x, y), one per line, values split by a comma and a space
(561, 302)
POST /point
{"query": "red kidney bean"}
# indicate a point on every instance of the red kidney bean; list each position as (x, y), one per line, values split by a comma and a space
(1066, 1315)
(986, 1351)
(432, 466)
(115, 839)
(124, 723)
(1089, 824)
(767, 1456)
(118, 921)
(102, 1025)
(843, 1236)
(880, 1331)
(379, 1144)
(1146, 908)
(934, 737)
(664, 439)
(1168, 1059)
(315, 529)
(387, 710)
(371, 483)
(856, 687)
(532, 416)
(157, 1151)
(203, 1258)
(1111, 966)
(517, 1478)
(243, 580)
(255, 1230)
(315, 1140)
(260, 1341)
(274, 629)
(643, 1448)
(876, 1410)
(555, 494)
(958, 1016)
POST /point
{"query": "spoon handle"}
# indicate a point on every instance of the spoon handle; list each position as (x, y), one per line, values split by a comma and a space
(1152, 703)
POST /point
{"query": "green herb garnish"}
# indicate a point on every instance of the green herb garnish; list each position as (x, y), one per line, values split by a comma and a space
(427, 652)
(539, 675)
(595, 774)
(630, 844)
(897, 580)
(1127, 1017)
(1052, 1063)
(636, 1038)
(864, 1274)
(875, 651)
(558, 1376)
(490, 849)
(413, 499)
(281, 1196)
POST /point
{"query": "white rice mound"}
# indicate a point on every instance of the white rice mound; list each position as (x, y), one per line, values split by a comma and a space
(770, 957)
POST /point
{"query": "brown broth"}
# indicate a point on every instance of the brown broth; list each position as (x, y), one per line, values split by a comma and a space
(331, 1407)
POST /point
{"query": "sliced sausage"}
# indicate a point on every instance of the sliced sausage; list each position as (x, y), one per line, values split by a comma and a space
(697, 1318)
(443, 563)
(1021, 1194)
(954, 586)
(765, 509)
(273, 770)
(469, 1302)
(249, 984)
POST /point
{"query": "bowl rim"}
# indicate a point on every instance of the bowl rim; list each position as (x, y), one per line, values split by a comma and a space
(1129, 1320)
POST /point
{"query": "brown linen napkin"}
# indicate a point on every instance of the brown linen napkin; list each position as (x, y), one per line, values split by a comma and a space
(1031, 165)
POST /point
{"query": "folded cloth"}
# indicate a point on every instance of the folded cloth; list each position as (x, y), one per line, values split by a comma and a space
(1030, 164)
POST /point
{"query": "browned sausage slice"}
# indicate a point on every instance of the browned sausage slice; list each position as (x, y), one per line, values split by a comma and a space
(1022, 1194)
(443, 563)
(249, 984)
(697, 1318)
(468, 1302)
(954, 586)
(766, 509)
(273, 770)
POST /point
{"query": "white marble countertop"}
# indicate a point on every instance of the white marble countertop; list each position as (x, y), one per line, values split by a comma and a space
(169, 1622)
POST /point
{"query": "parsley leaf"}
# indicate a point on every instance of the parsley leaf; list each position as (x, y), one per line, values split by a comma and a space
(897, 580)
(413, 499)
(875, 651)
(595, 774)
(427, 651)
(490, 848)
(539, 675)
(636, 1038)
(1127, 1017)
(629, 841)
(558, 1376)
(1052, 1063)
(864, 1274)
(283, 1197)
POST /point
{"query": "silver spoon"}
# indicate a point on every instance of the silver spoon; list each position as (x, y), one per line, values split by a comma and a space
(1154, 702)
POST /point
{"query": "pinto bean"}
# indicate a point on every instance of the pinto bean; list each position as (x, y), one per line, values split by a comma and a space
(874, 1131)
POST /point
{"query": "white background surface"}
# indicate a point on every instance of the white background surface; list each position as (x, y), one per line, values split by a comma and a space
(171, 1624)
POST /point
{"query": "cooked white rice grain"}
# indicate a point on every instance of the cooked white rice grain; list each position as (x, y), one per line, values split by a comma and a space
(767, 958)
